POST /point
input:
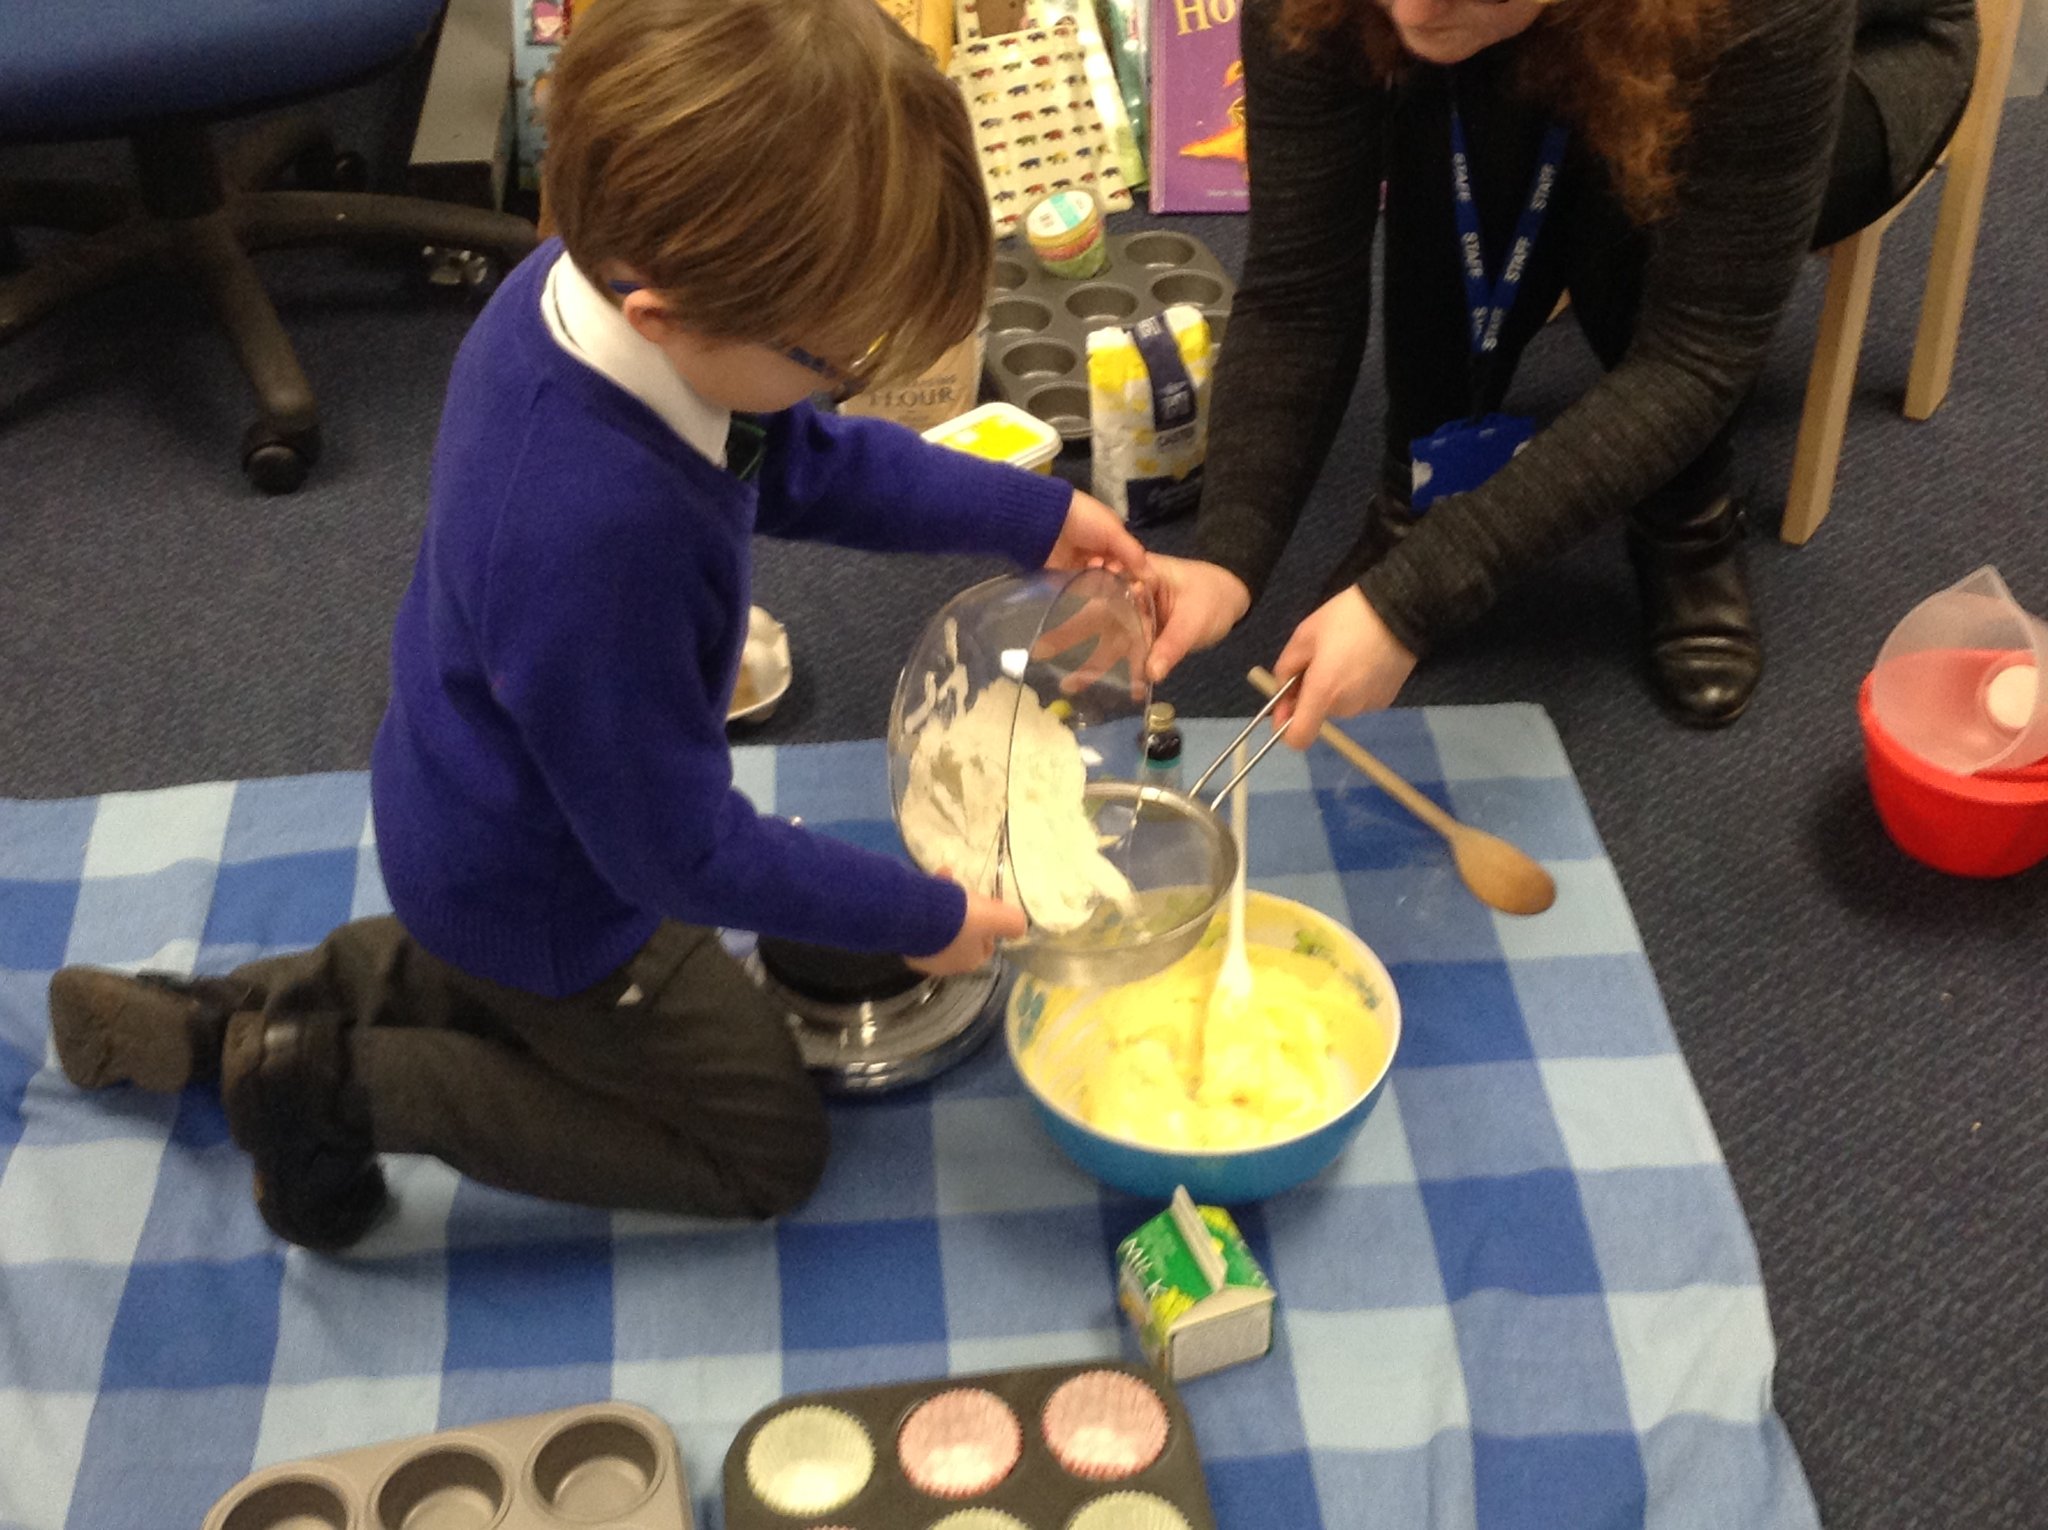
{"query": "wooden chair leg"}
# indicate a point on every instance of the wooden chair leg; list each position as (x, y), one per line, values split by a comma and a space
(1852, 270)
(1962, 210)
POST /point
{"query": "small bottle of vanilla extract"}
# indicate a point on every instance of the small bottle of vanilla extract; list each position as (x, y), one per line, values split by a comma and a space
(1162, 747)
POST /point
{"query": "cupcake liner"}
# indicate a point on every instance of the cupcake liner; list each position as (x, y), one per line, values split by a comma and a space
(980, 1519)
(1104, 1425)
(810, 1460)
(1128, 1511)
(960, 1443)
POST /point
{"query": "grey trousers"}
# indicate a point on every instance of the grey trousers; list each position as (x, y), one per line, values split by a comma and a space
(673, 1085)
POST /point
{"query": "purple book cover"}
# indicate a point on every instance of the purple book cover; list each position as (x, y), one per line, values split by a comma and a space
(1197, 148)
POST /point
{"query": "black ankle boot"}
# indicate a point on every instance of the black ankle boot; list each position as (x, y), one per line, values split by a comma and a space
(1705, 656)
(156, 1030)
(1387, 520)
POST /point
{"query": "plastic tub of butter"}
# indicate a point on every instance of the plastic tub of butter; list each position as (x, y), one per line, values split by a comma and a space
(1107, 1067)
(1001, 433)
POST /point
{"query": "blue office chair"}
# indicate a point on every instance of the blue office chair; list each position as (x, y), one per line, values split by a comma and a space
(159, 74)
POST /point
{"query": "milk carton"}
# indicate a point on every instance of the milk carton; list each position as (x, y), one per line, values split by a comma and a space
(1193, 1291)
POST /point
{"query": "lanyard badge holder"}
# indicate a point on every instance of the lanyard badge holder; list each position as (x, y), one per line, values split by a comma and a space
(1465, 453)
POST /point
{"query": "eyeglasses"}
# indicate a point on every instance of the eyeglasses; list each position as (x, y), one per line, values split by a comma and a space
(844, 382)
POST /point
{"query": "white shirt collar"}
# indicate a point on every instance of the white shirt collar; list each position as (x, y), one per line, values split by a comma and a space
(590, 327)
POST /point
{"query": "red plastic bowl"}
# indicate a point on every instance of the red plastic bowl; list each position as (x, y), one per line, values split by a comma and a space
(2038, 771)
(1973, 826)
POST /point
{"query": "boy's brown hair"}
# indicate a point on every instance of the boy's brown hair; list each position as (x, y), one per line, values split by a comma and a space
(794, 172)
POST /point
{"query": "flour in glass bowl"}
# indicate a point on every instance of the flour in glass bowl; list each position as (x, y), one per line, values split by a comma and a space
(1005, 752)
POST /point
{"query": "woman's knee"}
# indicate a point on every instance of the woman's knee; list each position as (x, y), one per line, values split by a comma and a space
(1860, 187)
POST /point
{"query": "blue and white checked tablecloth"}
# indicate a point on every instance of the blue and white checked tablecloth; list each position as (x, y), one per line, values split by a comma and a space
(1525, 1299)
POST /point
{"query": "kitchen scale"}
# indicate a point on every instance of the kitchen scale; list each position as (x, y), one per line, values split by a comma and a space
(867, 1023)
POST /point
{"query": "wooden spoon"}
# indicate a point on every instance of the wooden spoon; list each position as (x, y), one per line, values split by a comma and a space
(1498, 874)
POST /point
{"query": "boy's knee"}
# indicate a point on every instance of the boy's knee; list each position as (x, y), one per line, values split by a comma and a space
(779, 1175)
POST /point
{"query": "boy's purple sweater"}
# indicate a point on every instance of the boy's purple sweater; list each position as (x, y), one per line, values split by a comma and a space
(552, 777)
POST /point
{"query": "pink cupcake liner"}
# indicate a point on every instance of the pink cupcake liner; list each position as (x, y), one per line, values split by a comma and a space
(960, 1443)
(1104, 1425)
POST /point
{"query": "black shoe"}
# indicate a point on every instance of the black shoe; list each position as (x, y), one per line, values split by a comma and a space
(1387, 521)
(1705, 656)
(294, 1109)
(155, 1030)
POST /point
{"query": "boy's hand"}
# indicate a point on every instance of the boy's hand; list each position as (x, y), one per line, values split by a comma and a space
(1093, 535)
(987, 922)
(1198, 605)
(1107, 630)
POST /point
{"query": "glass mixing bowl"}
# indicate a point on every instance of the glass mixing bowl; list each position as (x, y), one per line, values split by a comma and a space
(1076, 644)
(1179, 858)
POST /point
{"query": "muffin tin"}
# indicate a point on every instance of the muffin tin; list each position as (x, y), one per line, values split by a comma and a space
(1038, 323)
(1065, 1447)
(601, 1464)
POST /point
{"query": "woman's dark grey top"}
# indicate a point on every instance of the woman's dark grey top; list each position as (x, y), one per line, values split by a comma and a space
(1720, 270)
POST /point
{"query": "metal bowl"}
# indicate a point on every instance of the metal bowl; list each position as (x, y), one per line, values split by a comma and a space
(1180, 858)
(1050, 1032)
(765, 670)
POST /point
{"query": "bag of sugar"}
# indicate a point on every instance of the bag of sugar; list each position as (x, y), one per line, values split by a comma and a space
(1148, 402)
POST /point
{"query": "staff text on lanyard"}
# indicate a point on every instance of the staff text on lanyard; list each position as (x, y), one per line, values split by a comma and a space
(1489, 303)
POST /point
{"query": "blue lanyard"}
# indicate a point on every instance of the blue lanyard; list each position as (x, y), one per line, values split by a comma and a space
(1488, 303)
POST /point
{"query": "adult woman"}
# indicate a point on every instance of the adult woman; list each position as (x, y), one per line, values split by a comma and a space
(1673, 161)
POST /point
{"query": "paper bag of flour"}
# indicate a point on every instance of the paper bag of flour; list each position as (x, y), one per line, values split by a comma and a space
(1148, 402)
(946, 390)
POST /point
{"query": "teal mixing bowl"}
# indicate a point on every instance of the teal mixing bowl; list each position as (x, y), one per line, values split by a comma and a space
(1053, 1042)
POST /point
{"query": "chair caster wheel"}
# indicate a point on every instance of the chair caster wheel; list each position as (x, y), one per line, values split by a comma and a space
(323, 168)
(351, 171)
(472, 272)
(275, 460)
(275, 468)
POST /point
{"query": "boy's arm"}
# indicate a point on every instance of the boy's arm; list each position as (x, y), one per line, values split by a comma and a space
(596, 653)
(857, 482)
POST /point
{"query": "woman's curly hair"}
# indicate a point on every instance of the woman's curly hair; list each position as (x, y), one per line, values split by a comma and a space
(1622, 73)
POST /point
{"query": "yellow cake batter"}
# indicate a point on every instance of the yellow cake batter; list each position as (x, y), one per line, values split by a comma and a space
(1268, 1071)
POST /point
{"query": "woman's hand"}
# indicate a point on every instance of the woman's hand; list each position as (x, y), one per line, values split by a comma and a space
(1198, 604)
(1094, 535)
(987, 922)
(1348, 662)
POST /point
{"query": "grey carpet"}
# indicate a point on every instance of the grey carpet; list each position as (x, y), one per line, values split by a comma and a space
(1868, 1035)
